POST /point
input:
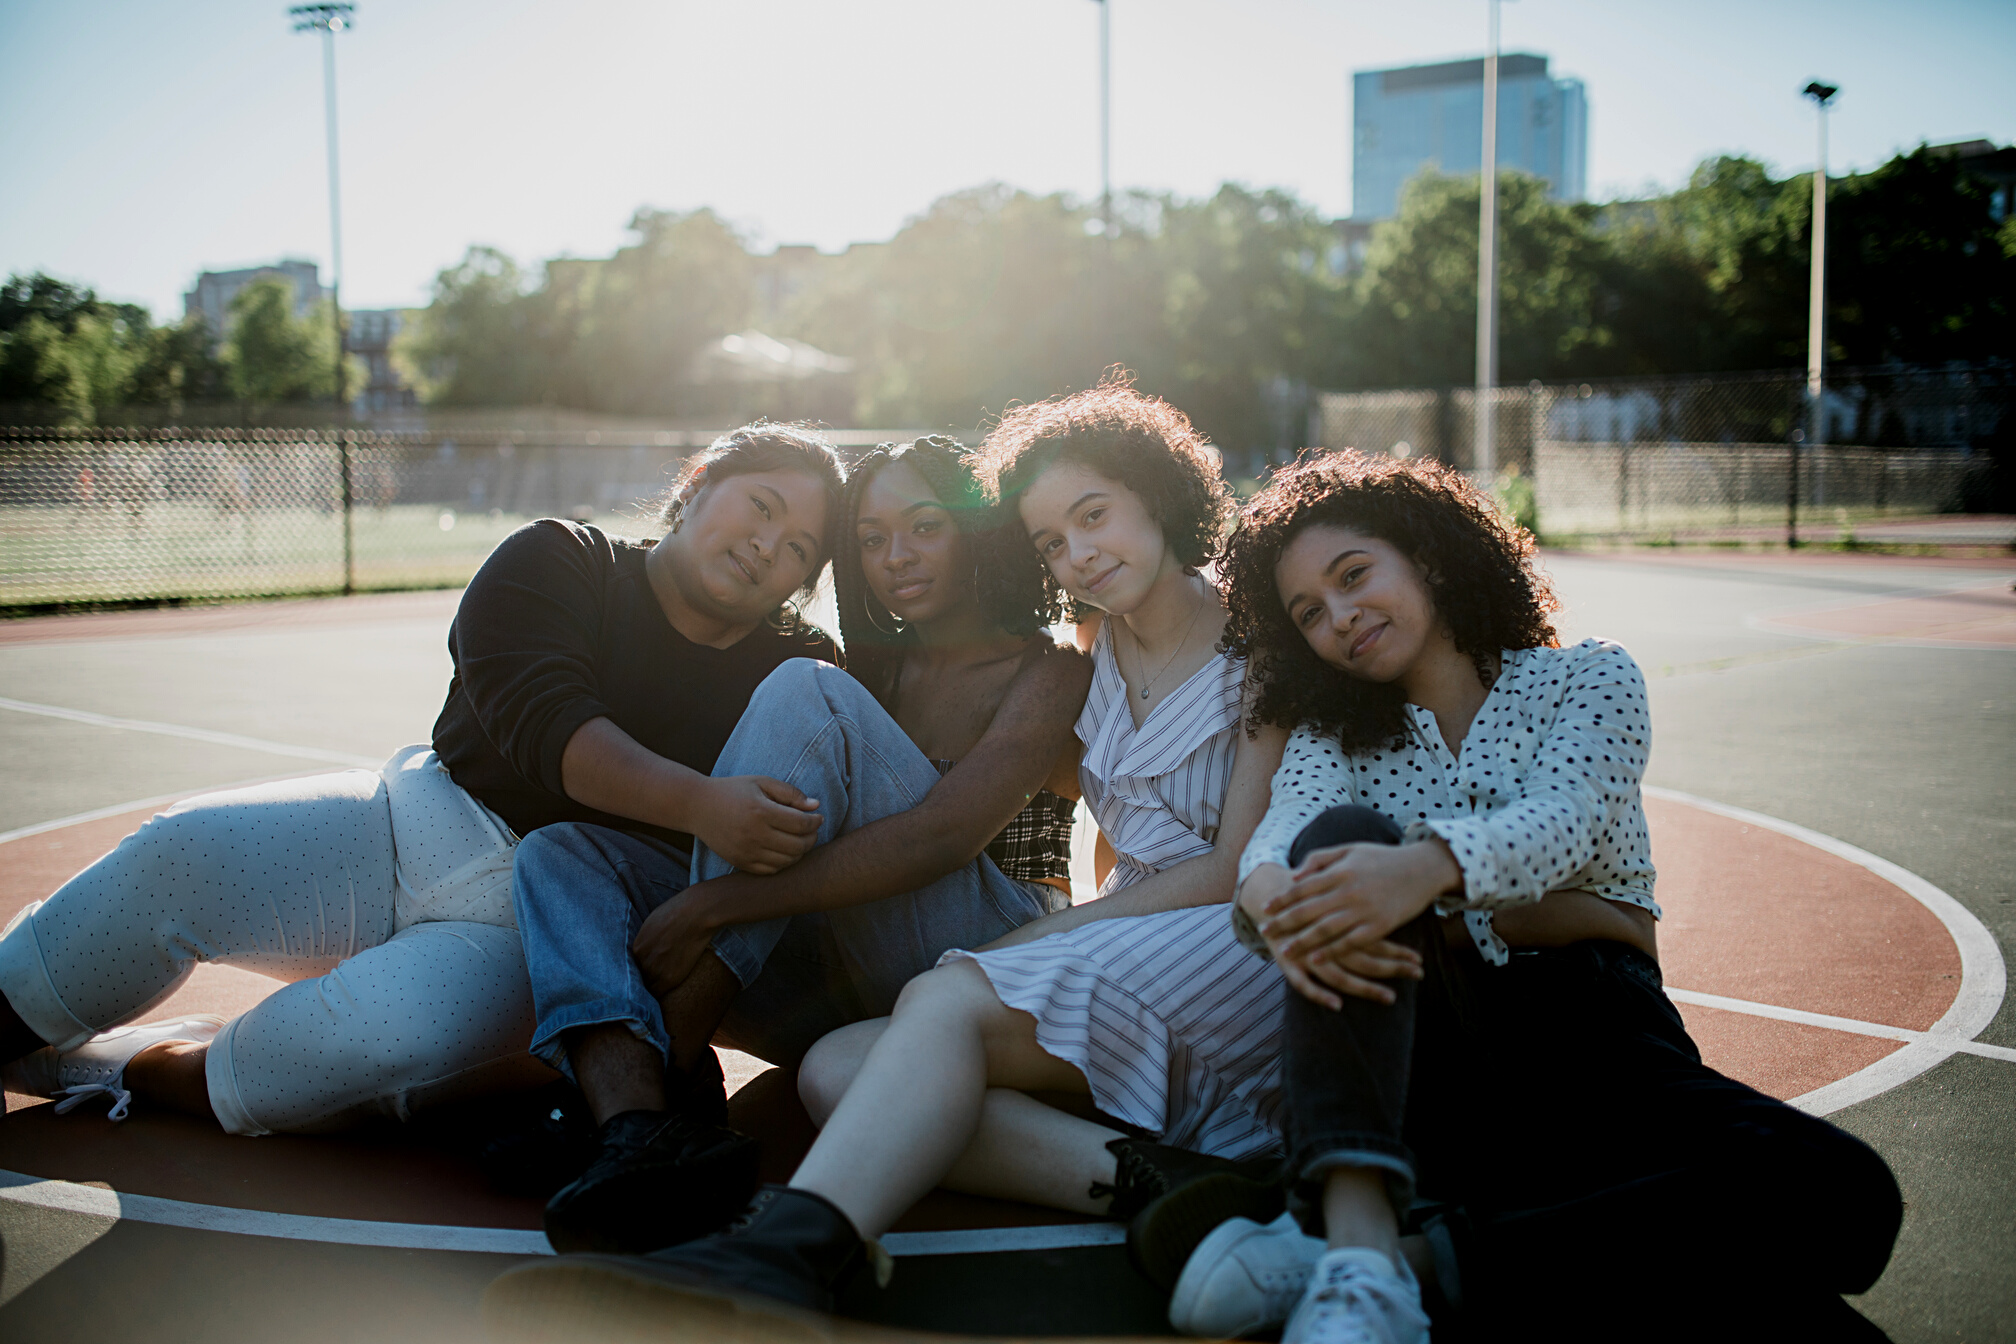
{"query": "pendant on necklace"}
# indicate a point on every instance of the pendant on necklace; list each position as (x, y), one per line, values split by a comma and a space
(1144, 692)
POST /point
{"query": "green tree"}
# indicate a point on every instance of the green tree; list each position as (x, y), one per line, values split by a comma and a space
(1413, 318)
(652, 306)
(1917, 271)
(65, 348)
(271, 355)
(475, 344)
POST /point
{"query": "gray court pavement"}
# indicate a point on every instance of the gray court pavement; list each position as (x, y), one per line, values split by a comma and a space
(1905, 751)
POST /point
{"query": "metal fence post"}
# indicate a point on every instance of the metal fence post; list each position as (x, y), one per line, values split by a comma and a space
(344, 450)
(1792, 493)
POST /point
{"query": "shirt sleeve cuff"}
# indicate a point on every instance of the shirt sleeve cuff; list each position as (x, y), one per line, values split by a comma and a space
(1471, 849)
(1248, 933)
(553, 747)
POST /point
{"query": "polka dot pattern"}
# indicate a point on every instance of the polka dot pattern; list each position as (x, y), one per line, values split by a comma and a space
(383, 898)
(1543, 798)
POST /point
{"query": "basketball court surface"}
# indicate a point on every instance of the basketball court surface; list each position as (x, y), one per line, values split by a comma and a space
(1832, 798)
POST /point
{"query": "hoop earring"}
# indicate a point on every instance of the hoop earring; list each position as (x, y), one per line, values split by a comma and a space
(869, 612)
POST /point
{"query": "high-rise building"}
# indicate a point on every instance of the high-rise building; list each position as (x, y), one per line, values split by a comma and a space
(1424, 116)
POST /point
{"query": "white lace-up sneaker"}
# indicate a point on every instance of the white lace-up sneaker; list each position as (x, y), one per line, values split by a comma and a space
(1244, 1278)
(98, 1067)
(1358, 1296)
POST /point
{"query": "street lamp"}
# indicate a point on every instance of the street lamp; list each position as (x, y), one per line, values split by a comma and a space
(1816, 317)
(330, 20)
(1486, 453)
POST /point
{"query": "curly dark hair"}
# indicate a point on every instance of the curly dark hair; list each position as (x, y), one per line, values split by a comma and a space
(1482, 573)
(1140, 441)
(1008, 578)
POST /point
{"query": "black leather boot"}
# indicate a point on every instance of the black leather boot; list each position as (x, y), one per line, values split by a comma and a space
(1174, 1198)
(783, 1260)
(659, 1178)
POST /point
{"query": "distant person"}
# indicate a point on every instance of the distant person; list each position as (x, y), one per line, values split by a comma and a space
(1131, 1002)
(1462, 785)
(595, 680)
(943, 771)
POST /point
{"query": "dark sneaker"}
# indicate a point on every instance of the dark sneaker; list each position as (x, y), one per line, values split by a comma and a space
(766, 1276)
(1174, 1198)
(529, 1143)
(660, 1178)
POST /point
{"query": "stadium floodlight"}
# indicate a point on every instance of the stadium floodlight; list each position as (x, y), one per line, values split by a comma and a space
(330, 20)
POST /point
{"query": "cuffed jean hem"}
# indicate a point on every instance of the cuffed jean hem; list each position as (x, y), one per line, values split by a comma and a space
(745, 948)
(548, 1047)
(1363, 1152)
(24, 979)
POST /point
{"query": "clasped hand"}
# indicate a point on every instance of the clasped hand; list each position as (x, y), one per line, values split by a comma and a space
(1328, 923)
(759, 824)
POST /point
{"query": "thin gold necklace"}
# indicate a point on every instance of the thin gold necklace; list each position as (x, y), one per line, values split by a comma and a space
(1181, 644)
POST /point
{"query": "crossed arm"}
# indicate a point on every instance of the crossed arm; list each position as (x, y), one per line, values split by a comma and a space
(900, 852)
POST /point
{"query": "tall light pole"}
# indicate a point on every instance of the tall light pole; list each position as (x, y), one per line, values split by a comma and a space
(1105, 119)
(1816, 316)
(330, 20)
(1486, 452)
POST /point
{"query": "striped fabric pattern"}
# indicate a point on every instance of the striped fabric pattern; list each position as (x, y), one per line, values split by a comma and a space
(1157, 791)
(1176, 1027)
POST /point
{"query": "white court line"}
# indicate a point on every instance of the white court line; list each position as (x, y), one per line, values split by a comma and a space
(1982, 983)
(158, 800)
(193, 734)
(68, 1197)
(1832, 1023)
(1983, 978)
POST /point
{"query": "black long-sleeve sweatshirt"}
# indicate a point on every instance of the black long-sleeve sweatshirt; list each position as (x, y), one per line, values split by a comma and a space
(560, 626)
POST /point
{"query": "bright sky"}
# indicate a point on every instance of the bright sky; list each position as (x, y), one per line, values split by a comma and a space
(141, 142)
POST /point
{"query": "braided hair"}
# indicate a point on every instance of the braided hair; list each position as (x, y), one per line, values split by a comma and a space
(1008, 578)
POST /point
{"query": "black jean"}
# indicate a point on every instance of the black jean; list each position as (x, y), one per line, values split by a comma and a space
(1605, 1183)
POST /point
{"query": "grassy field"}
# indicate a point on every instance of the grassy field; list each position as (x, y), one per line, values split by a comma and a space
(167, 550)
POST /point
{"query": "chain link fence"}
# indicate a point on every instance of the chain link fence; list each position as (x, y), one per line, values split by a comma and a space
(1709, 456)
(97, 516)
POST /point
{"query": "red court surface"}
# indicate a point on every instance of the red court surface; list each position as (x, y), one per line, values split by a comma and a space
(1765, 932)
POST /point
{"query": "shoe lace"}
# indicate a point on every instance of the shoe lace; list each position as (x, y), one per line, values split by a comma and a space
(73, 1097)
(1347, 1301)
(1136, 1181)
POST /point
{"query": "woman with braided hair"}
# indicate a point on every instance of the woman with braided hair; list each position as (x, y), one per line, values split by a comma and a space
(943, 773)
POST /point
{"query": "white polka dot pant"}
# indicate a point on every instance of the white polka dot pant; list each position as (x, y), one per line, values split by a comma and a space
(384, 899)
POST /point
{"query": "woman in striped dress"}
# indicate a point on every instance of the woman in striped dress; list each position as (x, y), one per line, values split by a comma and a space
(1140, 1001)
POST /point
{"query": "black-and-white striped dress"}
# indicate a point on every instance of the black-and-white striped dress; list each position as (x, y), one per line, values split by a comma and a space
(1176, 1026)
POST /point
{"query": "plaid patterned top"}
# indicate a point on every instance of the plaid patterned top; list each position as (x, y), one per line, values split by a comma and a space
(1035, 845)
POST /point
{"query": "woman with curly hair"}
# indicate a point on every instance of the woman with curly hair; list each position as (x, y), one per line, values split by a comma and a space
(1458, 782)
(1139, 1005)
(943, 820)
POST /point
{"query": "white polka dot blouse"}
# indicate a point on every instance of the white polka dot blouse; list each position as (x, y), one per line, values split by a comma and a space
(1543, 798)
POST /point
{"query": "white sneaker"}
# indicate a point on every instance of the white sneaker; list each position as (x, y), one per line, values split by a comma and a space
(1244, 1278)
(1358, 1296)
(98, 1067)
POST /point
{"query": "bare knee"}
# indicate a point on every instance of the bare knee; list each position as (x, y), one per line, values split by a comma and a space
(831, 1064)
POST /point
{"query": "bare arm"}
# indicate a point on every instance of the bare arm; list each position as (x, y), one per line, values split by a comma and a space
(754, 822)
(907, 850)
(1206, 879)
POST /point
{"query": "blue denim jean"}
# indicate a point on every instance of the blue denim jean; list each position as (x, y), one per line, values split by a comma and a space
(583, 891)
